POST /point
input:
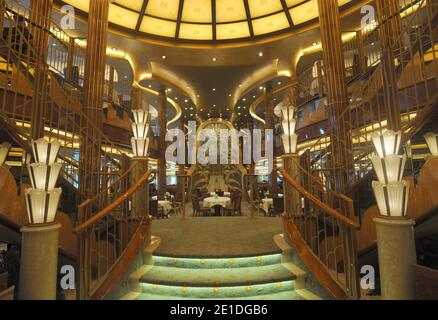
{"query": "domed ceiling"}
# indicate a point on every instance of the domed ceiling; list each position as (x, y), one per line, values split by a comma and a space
(209, 20)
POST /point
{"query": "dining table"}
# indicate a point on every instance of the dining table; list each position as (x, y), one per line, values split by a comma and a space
(217, 203)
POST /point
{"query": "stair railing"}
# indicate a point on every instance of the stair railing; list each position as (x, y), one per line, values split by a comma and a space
(104, 237)
(325, 237)
(63, 118)
(418, 85)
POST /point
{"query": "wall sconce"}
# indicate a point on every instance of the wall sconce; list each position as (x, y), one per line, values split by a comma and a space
(43, 198)
(391, 191)
(140, 129)
(4, 151)
(289, 123)
(432, 143)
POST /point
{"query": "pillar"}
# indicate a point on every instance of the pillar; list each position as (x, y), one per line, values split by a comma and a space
(337, 98)
(93, 92)
(250, 125)
(270, 124)
(162, 113)
(40, 19)
(140, 200)
(39, 262)
(390, 27)
(397, 256)
(70, 59)
(181, 166)
(292, 198)
(111, 84)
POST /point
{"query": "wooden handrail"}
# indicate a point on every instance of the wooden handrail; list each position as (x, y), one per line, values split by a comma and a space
(330, 211)
(106, 211)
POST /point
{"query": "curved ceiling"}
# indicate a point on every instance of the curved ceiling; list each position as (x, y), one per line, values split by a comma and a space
(209, 20)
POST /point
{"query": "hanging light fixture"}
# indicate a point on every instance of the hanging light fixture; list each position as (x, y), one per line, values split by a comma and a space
(43, 198)
(288, 124)
(4, 151)
(140, 129)
(432, 143)
(391, 191)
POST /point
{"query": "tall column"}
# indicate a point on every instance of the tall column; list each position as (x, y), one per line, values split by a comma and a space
(93, 92)
(250, 125)
(162, 113)
(334, 68)
(40, 19)
(181, 167)
(140, 201)
(270, 124)
(390, 26)
(111, 84)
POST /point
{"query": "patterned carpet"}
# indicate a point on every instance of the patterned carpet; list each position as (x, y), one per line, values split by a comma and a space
(217, 236)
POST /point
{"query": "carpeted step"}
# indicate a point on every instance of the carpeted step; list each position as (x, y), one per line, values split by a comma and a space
(234, 292)
(160, 261)
(223, 277)
(286, 295)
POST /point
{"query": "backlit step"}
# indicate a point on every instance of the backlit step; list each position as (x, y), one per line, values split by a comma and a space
(222, 277)
(235, 292)
(201, 263)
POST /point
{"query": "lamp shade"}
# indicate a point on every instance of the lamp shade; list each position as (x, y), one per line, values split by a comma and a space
(42, 205)
(289, 126)
(4, 151)
(287, 113)
(44, 151)
(140, 116)
(44, 177)
(432, 143)
(392, 199)
(140, 147)
(140, 130)
(387, 143)
(389, 169)
(290, 143)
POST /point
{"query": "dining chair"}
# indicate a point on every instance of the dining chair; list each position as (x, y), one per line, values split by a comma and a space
(236, 206)
(197, 210)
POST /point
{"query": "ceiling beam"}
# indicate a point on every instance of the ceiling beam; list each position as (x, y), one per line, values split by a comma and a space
(248, 17)
(179, 18)
(286, 10)
(142, 12)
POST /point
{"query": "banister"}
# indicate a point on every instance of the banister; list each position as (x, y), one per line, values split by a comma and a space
(330, 211)
(106, 211)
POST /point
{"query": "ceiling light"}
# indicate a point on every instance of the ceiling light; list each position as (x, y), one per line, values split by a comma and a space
(163, 57)
(214, 89)
(115, 49)
(244, 99)
(261, 88)
(260, 54)
(214, 59)
(315, 44)
(186, 100)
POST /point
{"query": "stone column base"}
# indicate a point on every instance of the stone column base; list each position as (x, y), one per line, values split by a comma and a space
(39, 262)
(397, 256)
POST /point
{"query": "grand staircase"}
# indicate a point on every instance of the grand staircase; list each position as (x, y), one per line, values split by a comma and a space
(266, 277)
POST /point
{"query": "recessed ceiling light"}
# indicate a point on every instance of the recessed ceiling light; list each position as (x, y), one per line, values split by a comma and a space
(170, 89)
(186, 100)
(244, 99)
(315, 44)
(191, 108)
(260, 54)
(163, 57)
(150, 86)
(214, 59)
(214, 89)
(261, 88)
(279, 82)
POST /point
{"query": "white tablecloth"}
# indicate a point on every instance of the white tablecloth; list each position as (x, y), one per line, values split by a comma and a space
(211, 202)
(166, 205)
(226, 194)
(266, 204)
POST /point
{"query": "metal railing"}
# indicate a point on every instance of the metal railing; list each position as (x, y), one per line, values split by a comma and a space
(328, 234)
(62, 116)
(104, 237)
(416, 53)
